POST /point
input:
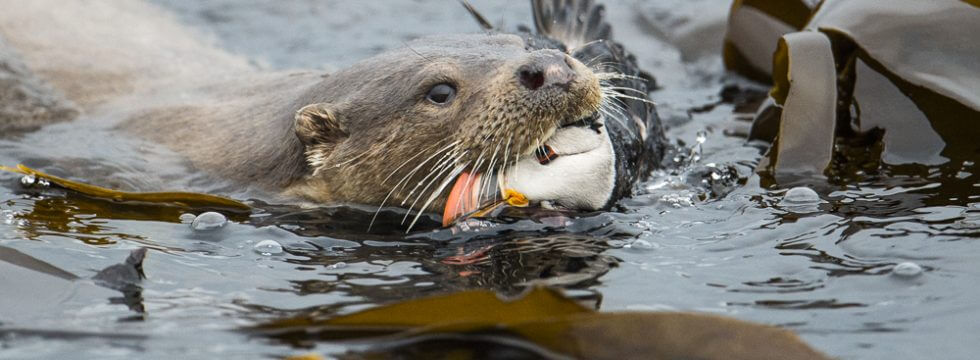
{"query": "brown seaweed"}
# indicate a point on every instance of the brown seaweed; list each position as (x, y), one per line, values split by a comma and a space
(906, 77)
(542, 323)
(178, 199)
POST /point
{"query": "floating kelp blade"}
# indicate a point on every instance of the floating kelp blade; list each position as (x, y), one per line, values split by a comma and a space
(754, 27)
(472, 310)
(805, 86)
(182, 199)
(853, 97)
(544, 319)
(913, 73)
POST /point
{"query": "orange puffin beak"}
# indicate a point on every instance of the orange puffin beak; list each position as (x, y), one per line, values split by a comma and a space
(464, 200)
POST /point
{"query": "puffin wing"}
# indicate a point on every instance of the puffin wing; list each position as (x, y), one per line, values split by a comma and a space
(574, 23)
(579, 28)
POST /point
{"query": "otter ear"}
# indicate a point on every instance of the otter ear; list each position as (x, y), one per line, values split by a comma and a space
(318, 124)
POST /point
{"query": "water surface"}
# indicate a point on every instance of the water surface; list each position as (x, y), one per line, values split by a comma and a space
(704, 236)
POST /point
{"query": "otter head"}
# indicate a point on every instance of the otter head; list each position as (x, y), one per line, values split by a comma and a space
(410, 127)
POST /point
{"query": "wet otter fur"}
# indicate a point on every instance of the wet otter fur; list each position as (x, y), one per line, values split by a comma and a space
(26, 103)
(367, 134)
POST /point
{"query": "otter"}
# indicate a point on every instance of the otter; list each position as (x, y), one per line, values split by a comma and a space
(447, 123)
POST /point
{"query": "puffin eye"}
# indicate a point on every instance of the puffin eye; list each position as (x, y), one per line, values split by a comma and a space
(441, 94)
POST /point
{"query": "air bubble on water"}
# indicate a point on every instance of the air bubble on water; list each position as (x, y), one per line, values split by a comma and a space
(268, 247)
(209, 221)
(187, 218)
(801, 200)
(337, 265)
(33, 181)
(28, 180)
(907, 270)
(801, 195)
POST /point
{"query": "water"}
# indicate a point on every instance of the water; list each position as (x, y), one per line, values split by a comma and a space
(875, 267)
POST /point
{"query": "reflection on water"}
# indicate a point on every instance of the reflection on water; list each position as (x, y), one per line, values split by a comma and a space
(483, 346)
(705, 235)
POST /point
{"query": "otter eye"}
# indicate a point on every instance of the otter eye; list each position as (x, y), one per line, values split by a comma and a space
(441, 94)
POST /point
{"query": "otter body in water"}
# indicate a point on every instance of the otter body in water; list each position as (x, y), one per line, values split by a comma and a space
(559, 115)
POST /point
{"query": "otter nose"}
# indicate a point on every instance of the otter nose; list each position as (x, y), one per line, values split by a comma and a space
(545, 70)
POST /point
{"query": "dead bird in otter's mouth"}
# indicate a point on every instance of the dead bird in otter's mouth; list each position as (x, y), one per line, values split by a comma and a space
(587, 163)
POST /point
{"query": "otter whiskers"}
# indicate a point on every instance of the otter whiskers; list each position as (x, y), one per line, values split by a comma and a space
(447, 158)
(436, 173)
(435, 194)
(411, 173)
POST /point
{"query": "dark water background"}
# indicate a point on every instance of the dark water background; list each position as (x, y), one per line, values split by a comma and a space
(823, 268)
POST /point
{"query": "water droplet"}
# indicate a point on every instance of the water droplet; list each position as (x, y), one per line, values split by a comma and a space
(268, 247)
(187, 218)
(337, 265)
(907, 269)
(28, 180)
(701, 137)
(801, 195)
(209, 221)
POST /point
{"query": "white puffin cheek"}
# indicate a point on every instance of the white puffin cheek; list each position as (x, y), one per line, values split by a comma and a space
(582, 177)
